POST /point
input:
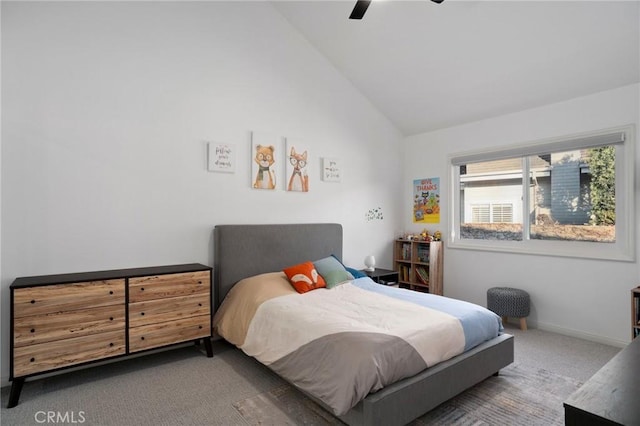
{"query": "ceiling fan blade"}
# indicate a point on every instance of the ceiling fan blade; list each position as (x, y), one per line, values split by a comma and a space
(359, 9)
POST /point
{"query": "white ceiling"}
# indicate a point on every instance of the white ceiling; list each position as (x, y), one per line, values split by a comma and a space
(428, 66)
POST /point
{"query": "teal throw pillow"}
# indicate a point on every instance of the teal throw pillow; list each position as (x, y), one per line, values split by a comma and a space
(333, 272)
(353, 271)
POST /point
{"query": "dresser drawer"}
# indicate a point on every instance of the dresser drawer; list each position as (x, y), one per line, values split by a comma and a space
(66, 324)
(67, 297)
(62, 353)
(170, 309)
(169, 285)
(165, 333)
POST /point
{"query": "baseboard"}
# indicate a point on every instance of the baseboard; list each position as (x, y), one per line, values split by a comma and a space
(578, 334)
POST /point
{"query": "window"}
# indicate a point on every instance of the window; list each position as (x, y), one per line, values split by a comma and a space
(491, 213)
(480, 213)
(571, 196)
(502, 213)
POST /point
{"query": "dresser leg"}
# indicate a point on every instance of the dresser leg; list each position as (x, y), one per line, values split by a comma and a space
(208, 347)
(14, 394)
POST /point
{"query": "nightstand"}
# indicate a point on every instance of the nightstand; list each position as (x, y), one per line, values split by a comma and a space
(383, 276)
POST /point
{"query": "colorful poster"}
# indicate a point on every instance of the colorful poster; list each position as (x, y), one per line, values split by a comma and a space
(426, 200)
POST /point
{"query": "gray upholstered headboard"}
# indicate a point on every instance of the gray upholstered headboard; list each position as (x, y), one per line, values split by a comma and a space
(241, 251)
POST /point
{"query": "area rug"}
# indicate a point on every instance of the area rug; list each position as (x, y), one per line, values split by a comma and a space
(518, 396)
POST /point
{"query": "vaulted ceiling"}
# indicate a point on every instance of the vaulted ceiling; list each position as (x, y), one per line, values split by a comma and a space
(427, 66)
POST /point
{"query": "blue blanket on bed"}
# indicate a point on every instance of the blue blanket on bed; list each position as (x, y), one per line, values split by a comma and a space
(479, 324)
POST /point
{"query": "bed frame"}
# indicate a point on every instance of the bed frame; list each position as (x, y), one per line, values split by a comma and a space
(242, 251)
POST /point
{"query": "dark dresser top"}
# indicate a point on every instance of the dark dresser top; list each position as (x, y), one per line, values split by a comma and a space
(106, 275)
(613, 393)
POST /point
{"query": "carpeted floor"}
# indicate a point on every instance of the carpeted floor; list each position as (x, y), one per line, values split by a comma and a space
(518, 396)
(183, 387)
(524, 396)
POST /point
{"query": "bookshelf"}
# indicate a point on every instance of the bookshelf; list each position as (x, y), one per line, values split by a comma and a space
(419, 265)
(635, 312)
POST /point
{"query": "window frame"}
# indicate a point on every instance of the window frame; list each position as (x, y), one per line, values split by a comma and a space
(623, 249)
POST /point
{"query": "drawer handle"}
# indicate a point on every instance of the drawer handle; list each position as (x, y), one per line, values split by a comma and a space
(142, 338)
(32, 360)
(200, 326)
(141, 288)
(141, 313)
(111, 344)
(110, 291)
(199, 282)
(199, 304)
(33, 301)
(33, 330)
(110, 318)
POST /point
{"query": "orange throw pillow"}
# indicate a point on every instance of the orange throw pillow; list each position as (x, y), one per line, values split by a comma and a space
(304, 277)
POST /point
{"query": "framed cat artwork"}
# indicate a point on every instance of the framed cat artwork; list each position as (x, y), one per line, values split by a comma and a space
(297, 160)
(264, 160)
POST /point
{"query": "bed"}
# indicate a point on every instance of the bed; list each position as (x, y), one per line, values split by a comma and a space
(245, 251)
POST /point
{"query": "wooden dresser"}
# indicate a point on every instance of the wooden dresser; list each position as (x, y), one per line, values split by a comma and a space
(60, 321)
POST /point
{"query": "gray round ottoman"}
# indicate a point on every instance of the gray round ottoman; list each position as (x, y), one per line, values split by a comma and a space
(509, 302)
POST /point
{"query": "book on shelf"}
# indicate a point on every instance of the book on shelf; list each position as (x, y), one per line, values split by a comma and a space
(403, 273)
(406, 251)
(422, 275)
(423, 253)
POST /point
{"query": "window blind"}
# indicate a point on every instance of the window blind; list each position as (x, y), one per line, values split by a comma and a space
(540, 148)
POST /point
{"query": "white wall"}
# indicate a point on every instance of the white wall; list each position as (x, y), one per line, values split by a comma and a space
(106, 110)
(584, 298)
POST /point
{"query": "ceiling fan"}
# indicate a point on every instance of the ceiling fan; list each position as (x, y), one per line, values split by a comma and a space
(361, 7)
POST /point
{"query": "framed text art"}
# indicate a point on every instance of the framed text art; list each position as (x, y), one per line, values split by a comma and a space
(221, 157)
(331, 170)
